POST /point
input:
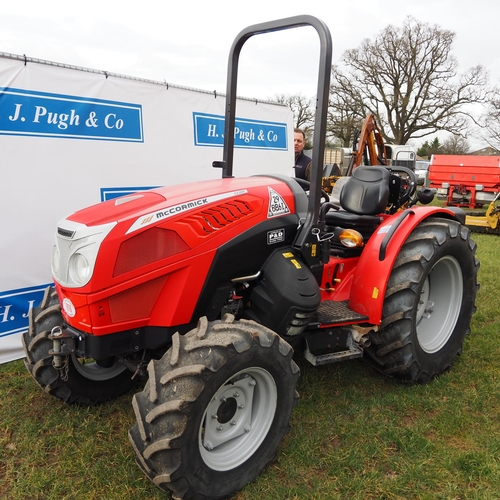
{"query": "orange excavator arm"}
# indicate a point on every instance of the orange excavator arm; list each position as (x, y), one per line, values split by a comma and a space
(368, 143)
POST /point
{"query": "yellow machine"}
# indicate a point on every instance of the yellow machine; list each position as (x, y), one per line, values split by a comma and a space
(487, 223)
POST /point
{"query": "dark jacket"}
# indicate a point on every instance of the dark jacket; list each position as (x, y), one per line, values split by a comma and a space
(301, 163)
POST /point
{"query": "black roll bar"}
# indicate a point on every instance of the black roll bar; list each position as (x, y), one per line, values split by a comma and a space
(322, 94)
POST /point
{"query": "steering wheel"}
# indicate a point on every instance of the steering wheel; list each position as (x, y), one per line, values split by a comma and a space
(407, 187)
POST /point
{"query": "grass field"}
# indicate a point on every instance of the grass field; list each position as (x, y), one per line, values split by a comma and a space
(355, 434)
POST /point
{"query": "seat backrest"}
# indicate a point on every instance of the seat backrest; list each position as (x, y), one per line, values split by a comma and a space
(337, 189)
(366, 192)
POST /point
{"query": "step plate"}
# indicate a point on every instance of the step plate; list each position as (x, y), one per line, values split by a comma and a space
(330, 312)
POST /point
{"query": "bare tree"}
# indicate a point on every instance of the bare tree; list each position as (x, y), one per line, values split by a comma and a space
(408, 79)
(455, 145)
(302, 109)
(491, 121)
(346, 111)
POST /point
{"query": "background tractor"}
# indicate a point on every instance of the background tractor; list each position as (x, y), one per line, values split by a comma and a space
(208, 290)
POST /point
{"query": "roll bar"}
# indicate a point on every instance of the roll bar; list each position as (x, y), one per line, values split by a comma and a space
(322, 94)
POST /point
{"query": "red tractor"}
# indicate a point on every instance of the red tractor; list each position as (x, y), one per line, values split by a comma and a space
(207, 290)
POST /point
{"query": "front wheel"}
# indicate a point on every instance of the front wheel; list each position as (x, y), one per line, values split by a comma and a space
(429, 302)
(215, 408)
(80, 381)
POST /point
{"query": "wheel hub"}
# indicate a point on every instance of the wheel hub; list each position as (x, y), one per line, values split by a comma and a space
(237, 419)
(229, 414)
(227, 410)
(439, 305)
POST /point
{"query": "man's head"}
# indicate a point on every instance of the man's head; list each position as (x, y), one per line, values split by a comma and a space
(299, 140)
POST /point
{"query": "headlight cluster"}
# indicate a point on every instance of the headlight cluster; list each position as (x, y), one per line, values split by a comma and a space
(75, 252)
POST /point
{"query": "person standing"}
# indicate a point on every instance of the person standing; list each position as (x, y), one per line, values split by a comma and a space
(302, 162)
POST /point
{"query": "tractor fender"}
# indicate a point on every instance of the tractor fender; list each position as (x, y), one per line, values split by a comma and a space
(375, 263)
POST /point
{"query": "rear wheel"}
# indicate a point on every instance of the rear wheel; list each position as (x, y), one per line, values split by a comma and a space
(215, 408)
(80, 381)
(429, 302)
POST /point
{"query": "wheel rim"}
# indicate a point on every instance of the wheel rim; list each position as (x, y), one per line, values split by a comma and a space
(238, 419)
(92, 371)
(439, 305)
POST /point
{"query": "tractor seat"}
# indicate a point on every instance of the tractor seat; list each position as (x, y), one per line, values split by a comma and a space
(363, 195)
(367, 191)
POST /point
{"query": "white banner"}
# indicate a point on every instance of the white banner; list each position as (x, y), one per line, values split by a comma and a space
(70, 138)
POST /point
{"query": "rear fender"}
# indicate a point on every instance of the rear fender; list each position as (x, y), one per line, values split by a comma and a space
(378, 257)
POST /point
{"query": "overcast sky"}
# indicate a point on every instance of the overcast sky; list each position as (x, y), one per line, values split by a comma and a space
(186, 42)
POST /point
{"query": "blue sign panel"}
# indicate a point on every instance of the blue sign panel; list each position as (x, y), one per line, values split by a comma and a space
(248, 134)
(26, 112)
(111, 193)
(14, 307)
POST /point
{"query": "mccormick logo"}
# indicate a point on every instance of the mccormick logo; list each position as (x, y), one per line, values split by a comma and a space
(181, 208)
(164, 213)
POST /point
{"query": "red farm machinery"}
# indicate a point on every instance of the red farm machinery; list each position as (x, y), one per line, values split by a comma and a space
(204, 293)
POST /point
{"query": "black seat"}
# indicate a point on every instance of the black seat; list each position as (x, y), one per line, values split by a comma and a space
(367, 191)
(364, 194)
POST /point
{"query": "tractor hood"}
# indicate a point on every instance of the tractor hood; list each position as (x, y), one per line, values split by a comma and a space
(164, 202)
(144, 208)
(118, 208)
(124, 238)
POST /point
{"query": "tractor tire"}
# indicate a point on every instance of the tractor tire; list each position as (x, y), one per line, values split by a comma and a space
(429, 303)
(215, 408)
(82, 382)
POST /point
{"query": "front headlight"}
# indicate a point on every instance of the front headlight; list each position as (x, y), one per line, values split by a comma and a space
(79, 269)
(75, 253)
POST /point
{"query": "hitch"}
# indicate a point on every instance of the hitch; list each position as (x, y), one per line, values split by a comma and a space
(61, 349)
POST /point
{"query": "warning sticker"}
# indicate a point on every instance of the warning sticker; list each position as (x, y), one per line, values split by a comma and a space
(277, 205)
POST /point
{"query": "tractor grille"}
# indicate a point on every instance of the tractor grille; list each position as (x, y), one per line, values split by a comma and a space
(213, 219)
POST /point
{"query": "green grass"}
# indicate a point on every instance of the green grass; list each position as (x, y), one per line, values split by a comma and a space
(355, 434)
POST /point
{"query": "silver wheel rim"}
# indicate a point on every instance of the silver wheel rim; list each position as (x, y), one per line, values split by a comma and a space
(92, 371)
(237, 419)
(439, 304)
